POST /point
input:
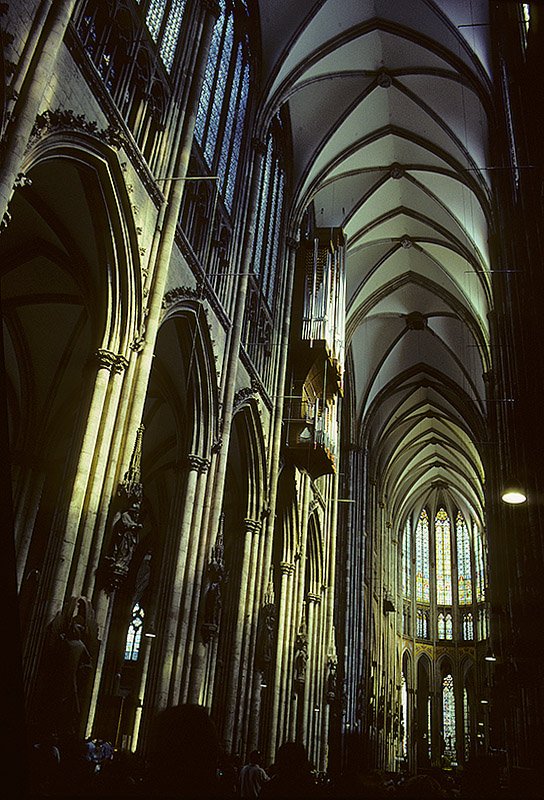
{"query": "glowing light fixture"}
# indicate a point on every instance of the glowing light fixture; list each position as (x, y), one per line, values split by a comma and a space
(513, 494)
(490, 655)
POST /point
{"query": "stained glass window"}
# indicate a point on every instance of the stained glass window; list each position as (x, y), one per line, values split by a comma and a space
(482, 624)
(171, 33)
(404, 716)
(468, 627)
(443, 558)
(422, 558)
(422, 624)
(209, 74)
(480, 565)
(222, 106)
(466, 723)
(155, 13)
(407, 560)
(448, 716)
(445, 626)
(269, 218)
(464, 570)
(134, 634)
(237, 138)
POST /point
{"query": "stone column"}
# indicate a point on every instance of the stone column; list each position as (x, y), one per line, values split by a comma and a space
(169, 212)
(40, 67)
(239, 667)
(60, 588)
(26, 510)
(278, 689)
(91, 538)
(235, 338)
(170, 638)
(192, 581)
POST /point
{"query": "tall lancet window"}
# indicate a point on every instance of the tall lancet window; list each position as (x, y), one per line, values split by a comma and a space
(134, 634)
(407, 560)
(222, 105)
(422, 558)
(164, 21)
(480, 565)
(464, 570)
(443, 558)
(448, 716)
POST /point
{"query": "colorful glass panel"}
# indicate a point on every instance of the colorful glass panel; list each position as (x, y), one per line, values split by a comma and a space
(422, 558)
(466, 723)
(448, 716)
(407, 560)
(134, 634)
(171, 33)
(155, 13)
(468, 627)
(443, 558)
(464, 570)
(480, 565)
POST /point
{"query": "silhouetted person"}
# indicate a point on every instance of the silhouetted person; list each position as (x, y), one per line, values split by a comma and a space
(183, 756)
(252, 777)
(292, 776)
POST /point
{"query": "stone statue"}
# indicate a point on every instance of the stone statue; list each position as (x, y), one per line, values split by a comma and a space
(213, 602)
(126, 529)
(301, 657)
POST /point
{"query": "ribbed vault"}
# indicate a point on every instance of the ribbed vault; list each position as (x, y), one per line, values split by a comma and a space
(390, 109)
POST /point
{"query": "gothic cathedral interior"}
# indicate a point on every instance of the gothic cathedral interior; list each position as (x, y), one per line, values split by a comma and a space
(272, 298)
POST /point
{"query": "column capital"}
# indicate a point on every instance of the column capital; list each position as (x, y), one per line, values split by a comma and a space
(196, 463)
(120, 365)
(106, 358)
(313, 598)
(287, 568)
(252, 525)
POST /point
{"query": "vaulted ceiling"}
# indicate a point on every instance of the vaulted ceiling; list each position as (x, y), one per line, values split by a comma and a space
(390, 108)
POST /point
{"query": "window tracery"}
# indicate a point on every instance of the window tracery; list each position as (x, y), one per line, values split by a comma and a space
(443, 558)
(422, 558)
(134, 634)
(223, 102)
(464, 570)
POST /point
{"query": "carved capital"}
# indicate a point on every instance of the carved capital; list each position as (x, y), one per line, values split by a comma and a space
(106, 359)
(252, 526)
(196, 463)
(121, 364)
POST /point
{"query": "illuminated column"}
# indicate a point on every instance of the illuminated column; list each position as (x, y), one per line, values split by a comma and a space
(278, 688)
(64, 557)
(254, 676)
(238, 668)
(170, 638)
(91, 538)
(170, 210)
(191, 582)
(313, 701)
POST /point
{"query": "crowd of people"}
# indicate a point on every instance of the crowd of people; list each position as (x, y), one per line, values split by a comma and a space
(185, 760)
